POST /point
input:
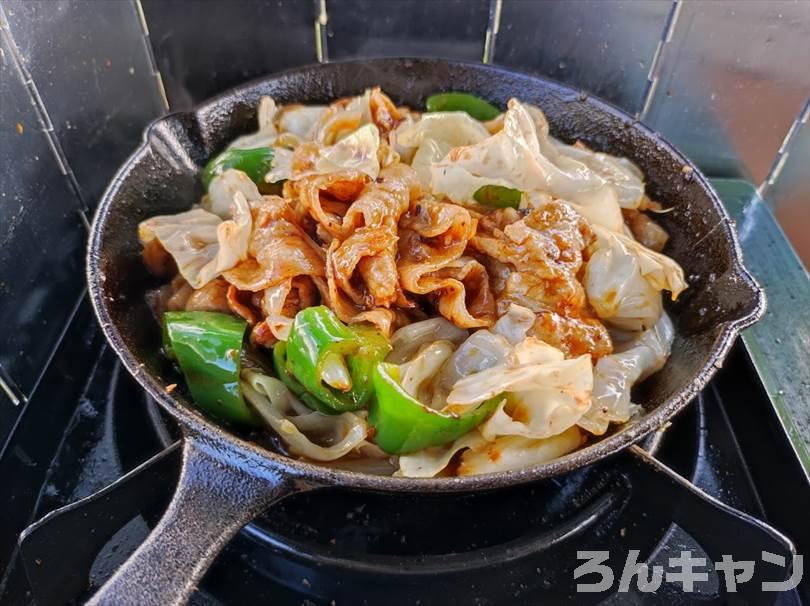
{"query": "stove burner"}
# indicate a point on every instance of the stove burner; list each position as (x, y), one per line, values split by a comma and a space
(517, 545)
(336, 544)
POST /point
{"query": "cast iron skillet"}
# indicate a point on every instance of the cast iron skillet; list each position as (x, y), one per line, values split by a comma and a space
(226, 480)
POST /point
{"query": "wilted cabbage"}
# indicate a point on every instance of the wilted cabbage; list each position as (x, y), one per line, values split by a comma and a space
(546, 394)
(625, 177)
(341, 119)
(409, 339)
(429, 462)
(429, 139)
(481, 350)
(482, 456)
(361, 104)
(429, 152)
(601, 207)
(515, 323)
(301, 120)
(221, 191)
(509, 453)
(519, 157)
(267, 133)
(623, 280)
(453, 128)
(417, 372)
(357, 151)
(615, 375)
(305, 432)
(282, 166)
(201, 243)
(459, 184)
(621, 173)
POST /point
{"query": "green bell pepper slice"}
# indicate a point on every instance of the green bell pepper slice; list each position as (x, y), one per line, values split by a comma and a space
(208, 348)
(255, 163)
(332, 362)
(286, 377)
(498, 196)
(403, 424)
(462, 102)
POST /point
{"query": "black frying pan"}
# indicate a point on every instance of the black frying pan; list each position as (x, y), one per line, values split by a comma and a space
(226, 480)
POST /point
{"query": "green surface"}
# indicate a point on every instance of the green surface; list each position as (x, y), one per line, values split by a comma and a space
(404, 425)
(316, 336)
(255, 163)
(462, 102)
(779, 344)
(207, 346)
(498, 196)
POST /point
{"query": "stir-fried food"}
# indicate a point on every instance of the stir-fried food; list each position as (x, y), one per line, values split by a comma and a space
(447, 293)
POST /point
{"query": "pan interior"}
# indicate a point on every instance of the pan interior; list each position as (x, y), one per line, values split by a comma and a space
(162, 177)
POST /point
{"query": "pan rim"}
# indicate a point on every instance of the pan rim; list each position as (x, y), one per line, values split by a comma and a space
(263, 462)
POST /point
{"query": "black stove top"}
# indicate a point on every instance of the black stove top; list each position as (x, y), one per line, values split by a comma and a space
(334, 546)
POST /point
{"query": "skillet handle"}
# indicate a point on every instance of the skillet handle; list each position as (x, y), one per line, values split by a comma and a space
(719, 529)
(213, 500)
